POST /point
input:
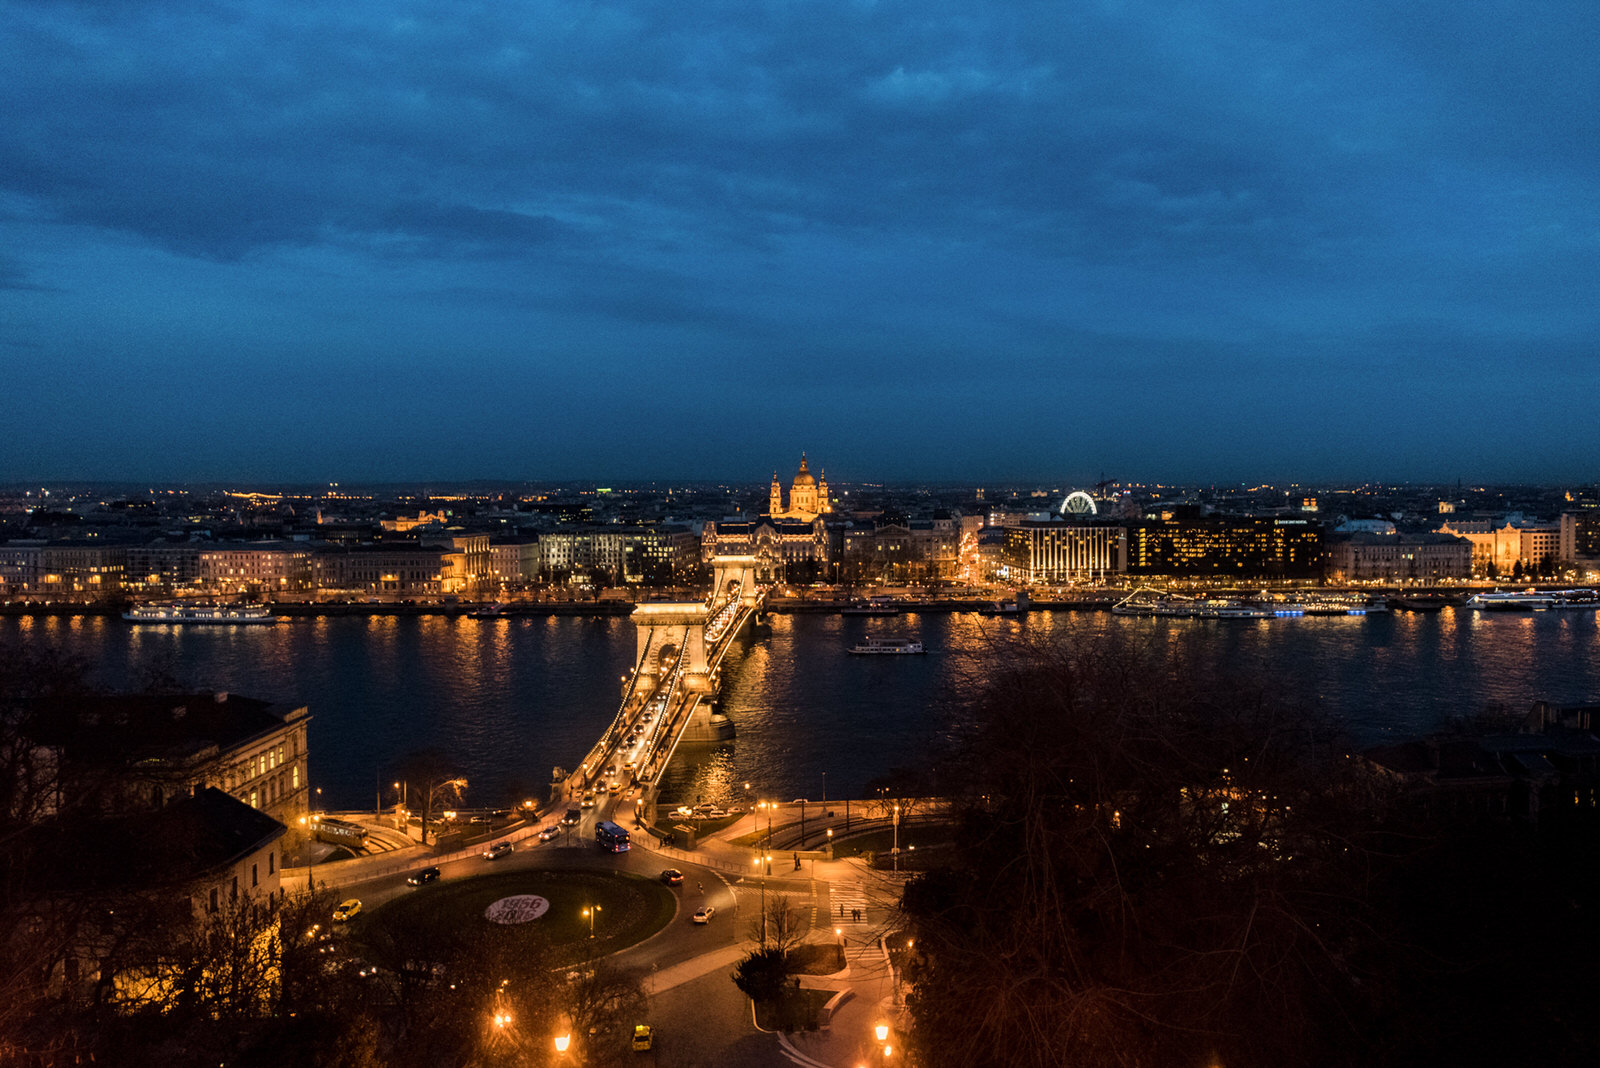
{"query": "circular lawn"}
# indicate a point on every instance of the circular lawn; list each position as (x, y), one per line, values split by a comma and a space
(628, 909)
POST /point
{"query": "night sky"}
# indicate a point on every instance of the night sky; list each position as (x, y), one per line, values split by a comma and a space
(1252, 239)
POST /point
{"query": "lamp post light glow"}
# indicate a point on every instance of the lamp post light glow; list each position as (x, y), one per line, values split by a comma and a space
(562, 1042)
(882, 1031)
(591, 914)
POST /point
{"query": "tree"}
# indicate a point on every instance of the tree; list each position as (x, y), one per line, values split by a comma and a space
(432, 783)
(763, 975)
(1155, 867)
(783, 928)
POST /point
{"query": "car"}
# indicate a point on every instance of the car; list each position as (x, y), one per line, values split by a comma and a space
(588, 800)
(630, 765)
(549, 832)
(600, 787)
(498, 850)
(643, 1037)
(672, 877)
(423, 877)
(615, 785)
(704, 913)
(347, 910)
(572, 818)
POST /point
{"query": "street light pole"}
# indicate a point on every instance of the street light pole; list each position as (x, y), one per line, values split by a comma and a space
(895, 852)
(757, 863)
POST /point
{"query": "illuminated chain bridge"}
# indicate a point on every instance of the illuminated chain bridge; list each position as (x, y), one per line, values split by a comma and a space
(669, 695)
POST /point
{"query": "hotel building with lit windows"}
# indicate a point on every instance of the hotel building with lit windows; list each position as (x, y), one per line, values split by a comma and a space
(77, 568)
(1051, 552)
(1240, 547)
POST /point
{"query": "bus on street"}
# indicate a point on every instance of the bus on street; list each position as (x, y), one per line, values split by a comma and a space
(610, 837)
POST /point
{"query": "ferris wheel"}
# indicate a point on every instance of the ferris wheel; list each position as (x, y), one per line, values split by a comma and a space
(1078, 504)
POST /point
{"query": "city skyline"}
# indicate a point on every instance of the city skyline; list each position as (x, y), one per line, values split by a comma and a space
(639, 242)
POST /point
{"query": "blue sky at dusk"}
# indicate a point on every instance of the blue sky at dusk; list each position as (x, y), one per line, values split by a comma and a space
(1261, 239)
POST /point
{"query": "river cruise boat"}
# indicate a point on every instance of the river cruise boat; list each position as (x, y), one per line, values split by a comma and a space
(889, 647)
(1535, 600)
(179, 612)
(1153, 603)
(870, 608)
(1325, 606)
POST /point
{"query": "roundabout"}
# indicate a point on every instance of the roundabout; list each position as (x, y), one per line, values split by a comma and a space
(572, 914)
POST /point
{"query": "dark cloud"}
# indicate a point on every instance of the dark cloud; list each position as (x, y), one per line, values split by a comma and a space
(925, 201)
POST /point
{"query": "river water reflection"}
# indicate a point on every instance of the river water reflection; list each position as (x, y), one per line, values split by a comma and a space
(511, 697)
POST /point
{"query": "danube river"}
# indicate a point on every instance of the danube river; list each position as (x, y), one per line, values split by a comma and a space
(509, 698)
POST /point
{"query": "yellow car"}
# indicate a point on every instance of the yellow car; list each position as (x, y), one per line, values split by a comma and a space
(643, 1038)
(347, 910)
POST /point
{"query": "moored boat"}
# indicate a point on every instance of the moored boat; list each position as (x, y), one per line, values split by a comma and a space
(870, 608)
(1531, 600)
(888, 647)
(1146, 602)
(180, 612)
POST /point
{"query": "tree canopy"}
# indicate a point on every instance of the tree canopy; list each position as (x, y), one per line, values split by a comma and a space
(1160, 866)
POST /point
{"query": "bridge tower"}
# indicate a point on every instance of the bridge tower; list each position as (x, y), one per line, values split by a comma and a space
(730, 570)
(664, 628)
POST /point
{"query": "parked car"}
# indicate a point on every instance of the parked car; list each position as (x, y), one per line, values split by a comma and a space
(498, 850)
(549, 832)
(704, 913)
(672, 877)
(347, 910)
(423, 877)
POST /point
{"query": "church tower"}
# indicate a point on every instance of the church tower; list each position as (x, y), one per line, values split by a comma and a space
(775, 505)
(803, 493)
(824, 502)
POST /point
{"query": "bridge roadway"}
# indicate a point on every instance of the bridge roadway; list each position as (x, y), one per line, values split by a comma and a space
(668, 692)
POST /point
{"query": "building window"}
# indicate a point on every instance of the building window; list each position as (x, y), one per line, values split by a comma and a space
(295, 776)
(254, 800)
(255, 879)
(213, 905)
(233, 894)
(271, 861)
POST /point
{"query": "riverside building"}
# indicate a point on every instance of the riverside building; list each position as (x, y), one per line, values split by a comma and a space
(1050, 552)
(1226, 547)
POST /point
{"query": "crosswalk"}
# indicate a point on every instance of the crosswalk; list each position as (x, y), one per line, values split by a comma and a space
(847, 904)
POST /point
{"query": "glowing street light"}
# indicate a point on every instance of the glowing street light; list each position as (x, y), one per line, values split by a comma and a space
(591, 913)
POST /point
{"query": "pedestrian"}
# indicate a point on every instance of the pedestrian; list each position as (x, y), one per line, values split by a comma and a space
(700, 887)
(841, 910)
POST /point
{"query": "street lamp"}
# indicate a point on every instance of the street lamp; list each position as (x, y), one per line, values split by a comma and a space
(591, 914)
(562, 1042)
(757, 862)
(895, 852)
